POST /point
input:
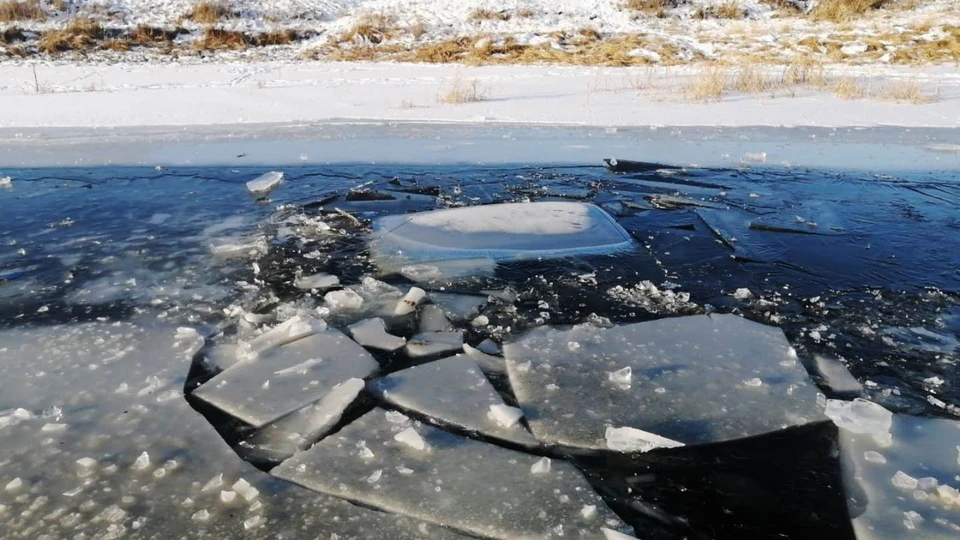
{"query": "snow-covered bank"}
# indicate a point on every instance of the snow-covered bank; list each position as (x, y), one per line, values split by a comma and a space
(78, 96)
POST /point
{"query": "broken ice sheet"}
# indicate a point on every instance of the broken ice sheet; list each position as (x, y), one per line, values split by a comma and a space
(286, 378)
(901, 472)
(453, 391)
(431, 343)
(495, 232)
(298, 430)
(458, 307)
(373, 333)
(694, 380)
(467, 485)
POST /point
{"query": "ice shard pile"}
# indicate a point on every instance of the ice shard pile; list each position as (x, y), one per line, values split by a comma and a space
(453, 391)
(287, 378)
(691, 380)
(902, 472)
(387, 461)
(494, 232)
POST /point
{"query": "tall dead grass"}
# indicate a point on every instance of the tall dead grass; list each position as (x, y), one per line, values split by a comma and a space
(218, 39)
(22, 11)
(372, 28)
(842, 10)
(81, 34)
(461, 92)
(208, 12)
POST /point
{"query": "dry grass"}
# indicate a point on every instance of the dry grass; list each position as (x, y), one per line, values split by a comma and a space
(905, 92)
(728, 10)
(417, 29)
(804, 72)
(275, 37)
(79, 35)
(488, 15)
(842, 10)
(21, 10)
(218, 39)
(526, 13)
(372, 28)
(750, 79)
(117, 45)
(208, 12)
(650, 7)
(150, 35)
(462, 92)
(849, 88)
(708, 84)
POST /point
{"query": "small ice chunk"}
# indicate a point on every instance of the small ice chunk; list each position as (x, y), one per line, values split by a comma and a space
(291, 330)
(142, 462)
(14, 484)
(410, 301)
(433, 319)
(375, 476)
(480, 321)
(228, 496)
(859, 416)
(201, 515)
(253, 522)
(52, 426)
(589, 511)
(411, 438)
(541, 467)
(621, 377)
(213, 484)
(264, 183)
(836, 377)
(927, 483)
(85, 466)
(244, 489)
(373, 333)
(743, 294)
(488, 346)
(755, 382)
(430, 343)
(505, 415)
(610, 534)
(948, 494)
(874, 457)
(6, 182)
(628, 439)
(319, 281)
(343, 300)
(903, 480)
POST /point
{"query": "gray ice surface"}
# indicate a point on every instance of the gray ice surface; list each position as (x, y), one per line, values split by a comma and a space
(695, 380)
(287, 378)
(453, 391)
(468, 485)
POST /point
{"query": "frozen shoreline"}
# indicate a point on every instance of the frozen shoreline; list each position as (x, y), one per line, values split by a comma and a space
(137, 95)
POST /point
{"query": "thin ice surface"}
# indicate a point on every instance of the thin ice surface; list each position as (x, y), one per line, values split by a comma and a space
(287, 378)
(453, 391)
(497, 232)
(464, 484)
(902, 472)
(692, 379)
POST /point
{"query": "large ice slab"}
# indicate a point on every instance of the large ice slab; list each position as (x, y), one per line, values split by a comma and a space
(287, 378)
(496, 232)
(461, 483)
(455, 392)
(692, 379)
(902, 472)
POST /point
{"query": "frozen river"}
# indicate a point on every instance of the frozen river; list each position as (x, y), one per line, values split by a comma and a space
(755, 338)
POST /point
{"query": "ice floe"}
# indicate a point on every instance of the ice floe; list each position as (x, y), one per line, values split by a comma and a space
(287, 378)
(433, 343)
(494, 233)
(455, 392)
(468, 485)
(373, 333)
(265, 183)
(693, 380)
